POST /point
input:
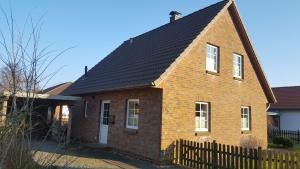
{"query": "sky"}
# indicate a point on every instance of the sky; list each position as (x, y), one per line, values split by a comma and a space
(96, 27)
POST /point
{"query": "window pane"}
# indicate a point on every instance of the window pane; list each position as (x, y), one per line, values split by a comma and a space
(197, 107)
(130, 122)
(197, 122)
(204, 107)
(131, 113)
(197, 114)
(202, 123)
(135, 120)
(131, 105)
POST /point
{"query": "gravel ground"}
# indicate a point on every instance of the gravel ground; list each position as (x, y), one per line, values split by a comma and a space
(78, 158)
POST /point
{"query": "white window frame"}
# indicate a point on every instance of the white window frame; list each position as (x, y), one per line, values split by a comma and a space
(249, 116)
(127, 115)
(200, 112)
(238, 65)
(86, 109)
(210, 56)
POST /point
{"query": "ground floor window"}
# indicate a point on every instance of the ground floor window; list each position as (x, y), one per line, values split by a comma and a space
(132, 115)
(202, 116)
(65, 111)
(245, 118)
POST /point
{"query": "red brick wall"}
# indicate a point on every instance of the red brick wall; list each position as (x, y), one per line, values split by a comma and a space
(189, 83)
(146, 142)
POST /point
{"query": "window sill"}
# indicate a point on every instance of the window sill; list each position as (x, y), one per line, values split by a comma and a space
(246, 132)
(131, 131)
(213, 73)
(237, 78)
(202, 133)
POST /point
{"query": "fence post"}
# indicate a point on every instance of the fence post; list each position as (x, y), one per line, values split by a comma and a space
(180, 151)
(176, 152)
(214, 155)
(298, 137)
(259, 158)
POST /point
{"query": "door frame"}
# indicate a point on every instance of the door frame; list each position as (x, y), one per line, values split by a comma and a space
(101, 118)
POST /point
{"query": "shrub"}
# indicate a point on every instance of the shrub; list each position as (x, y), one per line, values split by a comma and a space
(250, 142)
(282, 141)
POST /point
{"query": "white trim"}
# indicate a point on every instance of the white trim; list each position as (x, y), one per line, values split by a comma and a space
(101, 118)
(86, 108)
(208, 111)
(241, 71)
(247, 128)
(216, 59)
(127, 113)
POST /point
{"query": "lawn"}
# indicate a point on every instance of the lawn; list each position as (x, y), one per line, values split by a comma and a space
(295, 148)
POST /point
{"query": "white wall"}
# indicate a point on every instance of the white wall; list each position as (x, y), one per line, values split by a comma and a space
(290, 120)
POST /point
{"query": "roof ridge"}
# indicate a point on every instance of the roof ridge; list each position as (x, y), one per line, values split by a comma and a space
(284, 87)
(179, 20)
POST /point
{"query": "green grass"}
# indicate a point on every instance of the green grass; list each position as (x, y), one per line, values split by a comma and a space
(295, 149)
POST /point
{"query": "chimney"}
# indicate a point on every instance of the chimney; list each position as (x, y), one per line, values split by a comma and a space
(85, 71)
(174, 16)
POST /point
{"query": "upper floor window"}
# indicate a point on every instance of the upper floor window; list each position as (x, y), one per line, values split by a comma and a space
(212, 58)
(201, 116)
(132, 115)
(245, 118)
(237, 66)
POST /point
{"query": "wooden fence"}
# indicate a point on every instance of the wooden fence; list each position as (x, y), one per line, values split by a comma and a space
(209, 155)
(293, 135)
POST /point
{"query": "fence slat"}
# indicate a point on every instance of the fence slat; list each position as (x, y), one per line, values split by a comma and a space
(293, 161)
(251, 158)
(275, 161)
(201, 155)
(232, 157)
(205, 154)
(286, 159)
(269, 160)
(298, 160)
(241, 158)
(281, 160)
(246, 158)
(228, 156)
(236, 152)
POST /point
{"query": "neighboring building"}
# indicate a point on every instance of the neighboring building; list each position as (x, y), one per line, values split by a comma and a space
(285, 114)
(195, 78)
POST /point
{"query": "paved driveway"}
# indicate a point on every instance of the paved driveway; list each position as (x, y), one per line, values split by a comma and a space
(77, 158)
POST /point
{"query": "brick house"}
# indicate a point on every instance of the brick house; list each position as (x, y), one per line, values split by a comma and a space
(195, 78)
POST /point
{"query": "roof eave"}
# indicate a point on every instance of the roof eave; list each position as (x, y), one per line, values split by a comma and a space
(267, 89)
(129, 87)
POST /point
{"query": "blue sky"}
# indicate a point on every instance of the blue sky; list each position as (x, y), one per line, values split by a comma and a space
(97, 27)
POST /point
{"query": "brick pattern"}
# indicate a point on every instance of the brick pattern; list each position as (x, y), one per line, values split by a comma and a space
(144, 142)
(168, 113)
(189, 83)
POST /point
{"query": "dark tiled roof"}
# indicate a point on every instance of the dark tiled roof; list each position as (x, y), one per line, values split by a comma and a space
(287, 98)
(57, 89)
(140, 61)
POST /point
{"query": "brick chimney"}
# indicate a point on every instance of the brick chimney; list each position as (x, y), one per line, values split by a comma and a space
(174, 16)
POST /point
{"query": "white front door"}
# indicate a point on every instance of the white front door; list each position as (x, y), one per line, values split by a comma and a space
(104, 121)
